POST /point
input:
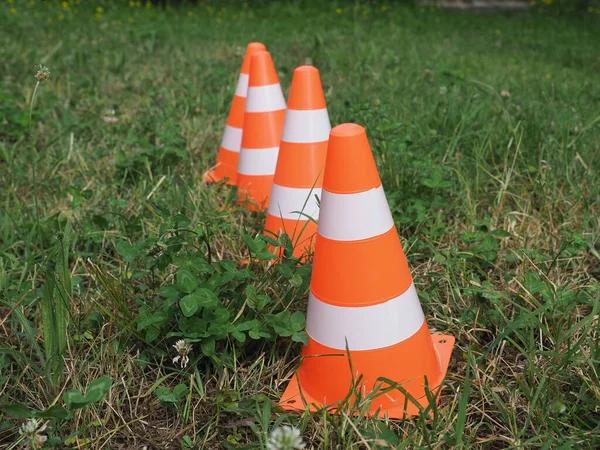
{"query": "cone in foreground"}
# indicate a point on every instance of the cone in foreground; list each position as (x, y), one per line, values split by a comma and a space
(293, 208)
(362, 295)
(227, 159)
(263, 124)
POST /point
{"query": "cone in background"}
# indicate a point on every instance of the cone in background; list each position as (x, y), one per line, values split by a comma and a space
(299, 173)
(362, 294)
(229, 153)
(263, 124)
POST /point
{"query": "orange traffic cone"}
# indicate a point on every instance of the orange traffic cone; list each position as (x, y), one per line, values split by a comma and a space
(229, 153)
(298, 176)
(362, 296)
(263, 124)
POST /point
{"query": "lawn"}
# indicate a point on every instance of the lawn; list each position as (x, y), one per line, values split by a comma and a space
(486, 133)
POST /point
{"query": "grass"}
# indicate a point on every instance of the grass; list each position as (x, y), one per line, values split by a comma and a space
(486, 131)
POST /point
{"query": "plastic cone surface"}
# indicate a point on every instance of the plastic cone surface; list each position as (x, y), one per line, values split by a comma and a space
(229, 153)
(263, 124)
(299, 173)
(362, 294)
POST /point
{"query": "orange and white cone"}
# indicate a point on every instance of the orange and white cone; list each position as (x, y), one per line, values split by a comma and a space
(263, 124)
(229, 153)
(299, 173)
(362, 295)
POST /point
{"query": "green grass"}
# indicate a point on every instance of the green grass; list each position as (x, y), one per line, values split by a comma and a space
(496, 198)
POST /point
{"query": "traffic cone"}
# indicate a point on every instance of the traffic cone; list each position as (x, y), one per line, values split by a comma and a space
(362, 295)
(298, 176)
(229, 153)
(263, 124)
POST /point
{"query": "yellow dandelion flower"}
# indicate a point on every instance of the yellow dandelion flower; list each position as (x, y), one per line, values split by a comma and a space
(219, 20)
(65, 5)
(13, 11)
(339, 10)
(99, 9)
(11, 1)
(384, 8)
(138, 4)
(61, 17)
(131, 3)
(190, 13)
(148, 4)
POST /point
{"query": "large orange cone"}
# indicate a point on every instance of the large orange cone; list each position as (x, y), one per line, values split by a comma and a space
(299, 172)
(229, 153)
(362, 295)
(263, 124)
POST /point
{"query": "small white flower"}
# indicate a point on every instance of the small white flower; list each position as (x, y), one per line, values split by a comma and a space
(110, 116)
(285, 438)
(443, 90)
(33, 434)
(183, 348)
(42, 73)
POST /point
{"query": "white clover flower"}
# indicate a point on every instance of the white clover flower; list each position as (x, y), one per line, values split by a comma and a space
(443, 90)
(183, 348)
(285, 438)
(42, 73)
(32, 431)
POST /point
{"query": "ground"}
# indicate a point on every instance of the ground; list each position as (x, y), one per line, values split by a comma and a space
(486, 132)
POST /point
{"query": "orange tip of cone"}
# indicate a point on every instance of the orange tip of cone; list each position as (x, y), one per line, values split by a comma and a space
(295, 399)
(252, 47)
(262, 69)
(349, 167)
(306, 92)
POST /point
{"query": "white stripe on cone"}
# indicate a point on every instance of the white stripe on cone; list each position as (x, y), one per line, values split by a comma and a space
(258, 161)
(366, 327)
(294, 203)
(242, 85)
(265, 98)
(232, 139)
(353, 217)
(305, 127)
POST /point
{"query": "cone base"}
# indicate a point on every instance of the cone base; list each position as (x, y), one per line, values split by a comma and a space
(225, 168)
(254, 192)
(301, 232)
(292, 400)
(213, 177)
